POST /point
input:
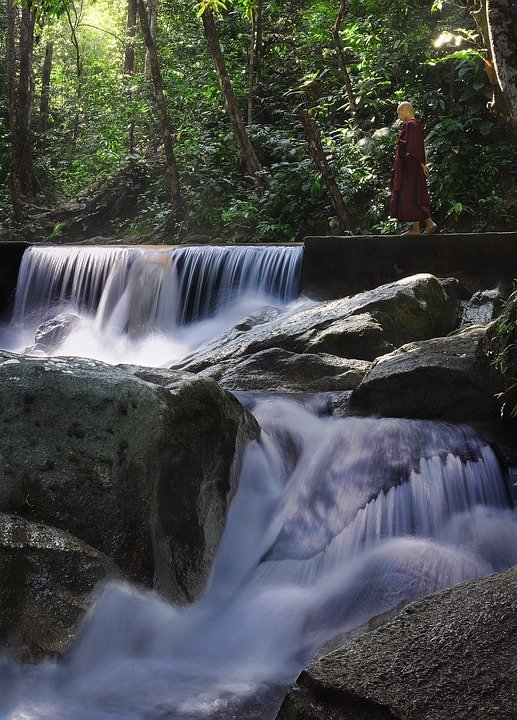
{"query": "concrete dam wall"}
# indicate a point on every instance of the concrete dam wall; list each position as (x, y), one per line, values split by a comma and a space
(336, 266)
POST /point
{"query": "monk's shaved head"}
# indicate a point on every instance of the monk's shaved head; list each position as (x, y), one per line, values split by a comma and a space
(405, 110)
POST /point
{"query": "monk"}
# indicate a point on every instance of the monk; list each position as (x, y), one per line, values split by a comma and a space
(409, 195)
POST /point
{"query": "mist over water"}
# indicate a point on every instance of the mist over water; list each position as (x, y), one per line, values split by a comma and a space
(335, 519)
(146, 305)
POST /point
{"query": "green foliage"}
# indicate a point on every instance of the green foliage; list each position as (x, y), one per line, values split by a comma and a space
(503, 349)
(396, 50)
(46, 10)
(57, 230)
(472, 154)
(91, 115)
(209, 5)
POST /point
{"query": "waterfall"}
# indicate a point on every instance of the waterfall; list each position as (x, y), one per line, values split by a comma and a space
(147, 305)
(52, 276)
(212, 277)
(183, 283)
(335, 521)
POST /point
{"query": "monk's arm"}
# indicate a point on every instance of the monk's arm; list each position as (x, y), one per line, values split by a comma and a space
(415, 142)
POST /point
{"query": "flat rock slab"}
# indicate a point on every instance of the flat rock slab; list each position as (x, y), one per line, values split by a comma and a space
(280, 370)
(360, 327)
(450, 655)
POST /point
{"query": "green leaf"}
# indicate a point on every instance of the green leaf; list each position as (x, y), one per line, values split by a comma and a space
(485, 127)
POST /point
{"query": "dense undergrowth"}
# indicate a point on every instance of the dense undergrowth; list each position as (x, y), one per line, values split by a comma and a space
(396, 50)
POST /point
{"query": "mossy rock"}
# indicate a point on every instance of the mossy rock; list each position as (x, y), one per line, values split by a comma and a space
(140, 470)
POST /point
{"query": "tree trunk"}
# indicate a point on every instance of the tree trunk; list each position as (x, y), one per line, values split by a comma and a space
(129, 65)
(341, 59)
(497, 23)
(23, 182)
(172, 170)
(153, 17)
(252, 164)
(44, 103)
(11, 106)
(73, 23)
(255, 56)
(129, 50)
(320, 161)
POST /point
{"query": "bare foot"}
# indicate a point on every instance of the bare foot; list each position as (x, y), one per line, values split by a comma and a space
(413, 230)
(430, 227)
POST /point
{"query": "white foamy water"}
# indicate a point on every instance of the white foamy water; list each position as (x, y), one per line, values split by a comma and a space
(145, 305)
(335, 520)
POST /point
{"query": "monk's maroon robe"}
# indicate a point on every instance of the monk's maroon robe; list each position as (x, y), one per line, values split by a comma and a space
(409, 196)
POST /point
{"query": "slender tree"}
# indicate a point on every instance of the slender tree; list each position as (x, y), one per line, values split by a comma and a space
(255, 54)
(168, 145)
(129, 48)
(341, 56)
(20, 84)
(73, 16)
(497, 23)
(129, 63)
(152, 6)
(44, 103)
(319, 159)
(253, 165)
(11, 104)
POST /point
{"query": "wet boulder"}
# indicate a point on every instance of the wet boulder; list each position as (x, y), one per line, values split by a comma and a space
(141, 471)
(47, 578)
(415, 308)
(79, 451)
(359, 336)
(360, 327)
(206, 432)
(483, 307)
(450, 655)
(263, 315)
(53, 332)
(447, 378)
(280, 370)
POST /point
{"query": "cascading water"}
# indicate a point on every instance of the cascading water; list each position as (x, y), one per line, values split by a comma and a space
(335, 521)
(50, 277)
(149, 305)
